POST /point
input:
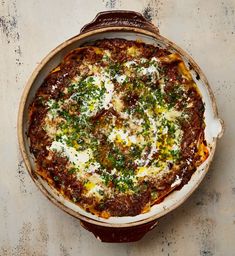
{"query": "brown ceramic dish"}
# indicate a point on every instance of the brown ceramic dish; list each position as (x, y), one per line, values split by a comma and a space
(132, 26)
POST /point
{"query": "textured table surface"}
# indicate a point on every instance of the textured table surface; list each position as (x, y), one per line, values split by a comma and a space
(29, 223)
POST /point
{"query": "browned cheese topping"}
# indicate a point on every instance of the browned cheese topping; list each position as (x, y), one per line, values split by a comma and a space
(117, 126)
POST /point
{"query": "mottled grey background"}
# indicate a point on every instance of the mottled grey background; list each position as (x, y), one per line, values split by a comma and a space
(29, 223)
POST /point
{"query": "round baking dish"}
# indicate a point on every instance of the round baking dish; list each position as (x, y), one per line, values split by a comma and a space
(133, 26)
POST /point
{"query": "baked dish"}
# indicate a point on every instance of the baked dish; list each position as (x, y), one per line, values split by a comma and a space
(117, 126)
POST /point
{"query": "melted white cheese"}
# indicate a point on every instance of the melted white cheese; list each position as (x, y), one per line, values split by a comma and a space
(120, 78)
(171, 115)
(152, 69)
(154, 59)
(117, 103)
(153, 127)
(97, 80)
(130, 63)
(165, 130)
(162, 85)
(175, 147)
(93, 167)
(94, 186)
(78, 158)
(143, 60)
(124, 137)
(108, 94)
(154, 142)
(119, 135)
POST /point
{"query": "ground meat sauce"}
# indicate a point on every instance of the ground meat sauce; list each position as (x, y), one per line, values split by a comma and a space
(117, 126)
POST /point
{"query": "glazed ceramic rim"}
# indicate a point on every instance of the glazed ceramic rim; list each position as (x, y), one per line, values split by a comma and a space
(29, 86)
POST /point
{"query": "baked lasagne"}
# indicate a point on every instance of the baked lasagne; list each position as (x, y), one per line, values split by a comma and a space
(117, 126)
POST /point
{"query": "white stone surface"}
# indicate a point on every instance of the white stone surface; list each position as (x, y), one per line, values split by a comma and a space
(29, 223)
